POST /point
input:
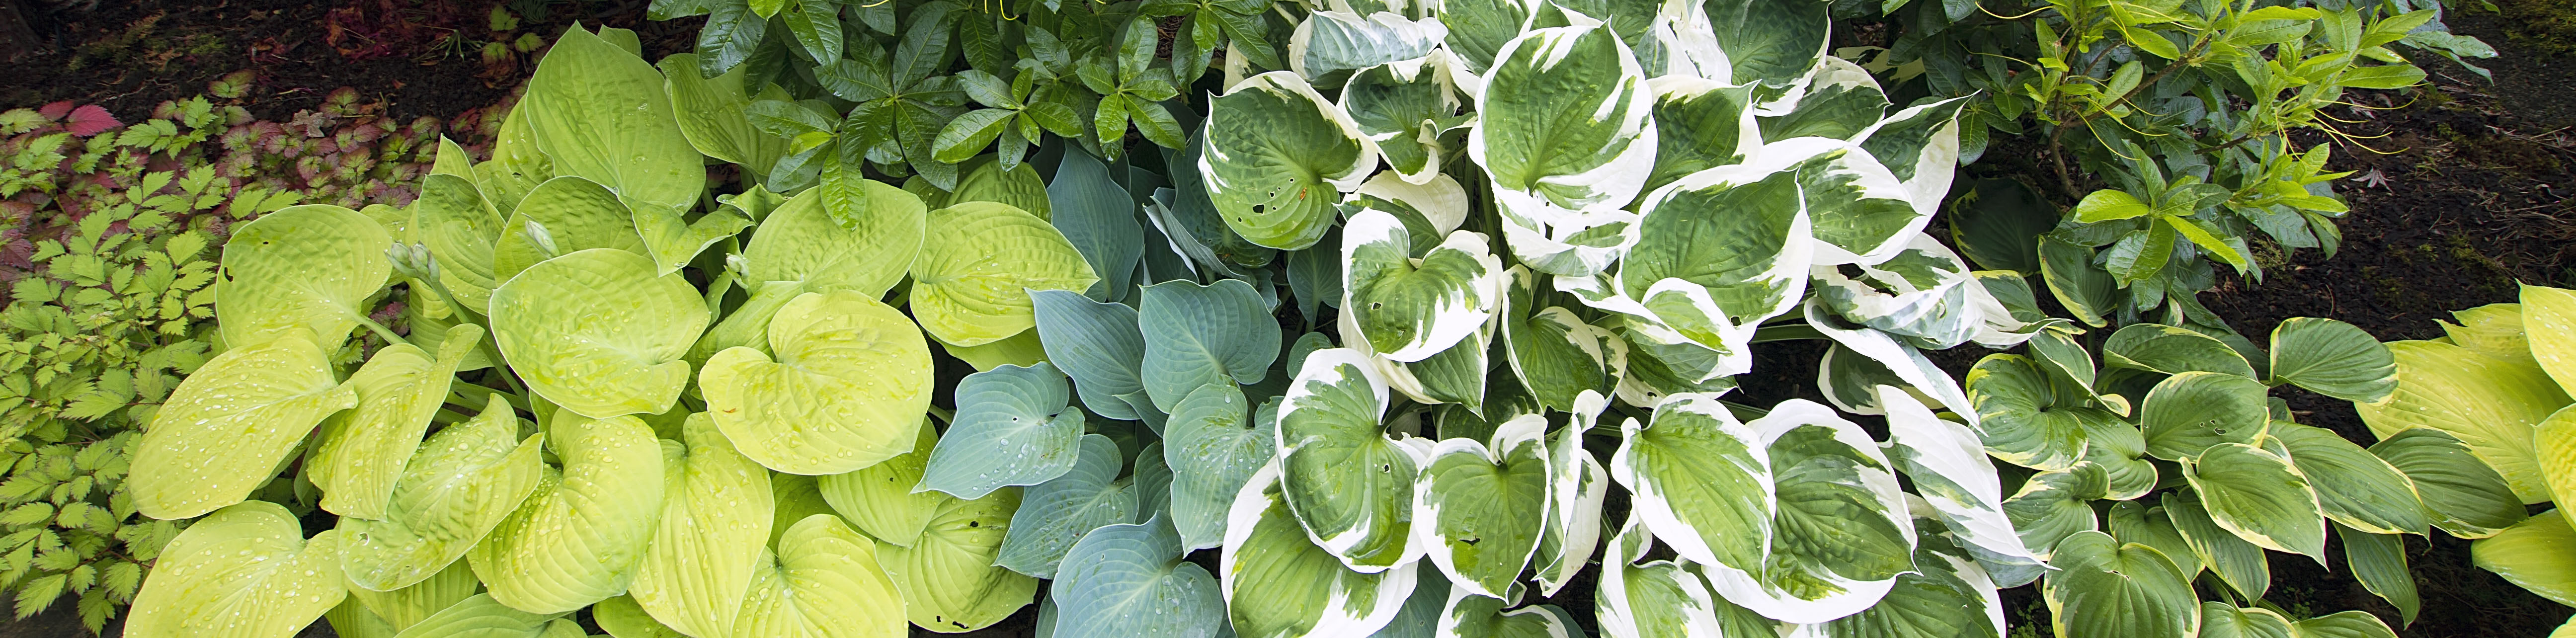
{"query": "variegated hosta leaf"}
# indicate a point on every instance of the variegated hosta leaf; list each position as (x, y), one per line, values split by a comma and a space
(810, 239)
(1861, 214)
(1409, 309)
(1920, 145)
(312, 266)
(1280, 585)
(2257, 494)
(2463, 495)
(2189, 412)
(401, 608)
(461, 483)
(562, 216)
(2222, 620)
(1836, 100)
(1055, 514)
(947, 577)
(1478, 29)
(1330, 44)
(1657, 369)
(577, 538)
(1576, 485)
(2344, 624)
(1213, 443)
(978, 262)
(460, 228)
(1097, 343)
(2055, 504)
(823, 580)
(244, 571)
(1700, 124)
(2134, 522)
(715, 525)
(2355, 488)
(1842, 532)
(1482, 506)
(1278, 157)
(222, 433)
(1129, 581)
(1404, 108)
(1197, 335)
(1950, 470)
(1748, 41)
(1011, 428)
(1456, 375)
(1700, 480)
(1921, 293)
(483, 617)
(1736, 237)
(1471, 615)
(2240, 564)
(362, 451)
(1947, 596)
(1567, 139)
(1349, 482)
(878, 499)
(2171, 350)
(1657, 599)
(595, 353)
(1556, 355)
(2490, 403)
(2102, 587)
(2023, 424)
(850, 378)
(1901, 360)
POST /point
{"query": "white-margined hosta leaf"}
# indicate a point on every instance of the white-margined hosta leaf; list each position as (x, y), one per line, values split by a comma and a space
(1700, 124)
(716, 512)
(597, 354)
(978, 262)
(1430, 210)
(1420, 615)
(1213, 442)
(1841, 533)
(2102, 587)
(1329, 44)
(2351, 623)
(1946, 596)
(1567, 138)
(1278, 157)
(849, 379)
(1950, 470)
(1900, 359)
(2189, 412)
(562, 216)
(1920, 146)
(1278, 584)
(1748, 41)
(2465, 496)
(1860, 213)
(2490, 403)
(1129, 581)
(947, 577)
(1921, 294)
(245, 571)
(1055, 514)
(1197, 335)
(878, 499)
(2359, 490)
(1478, 30)
(1457, 375)
(460, 483)
(1555, 354)
(1739, 235)
(401, 608)
(1700, 480)
(1481, 506)
(1097, 343)
(483, 617)
(2055, 504)
(2260, 496)
(460, 228)
(312, 266)
(1657, 599)
(222, 433)
(1850, 381)
(2022, 422)
(1836, 100)
(2238, 563)
(578, 537)
(822, 581)
(1576, 485)
(2171, 350)
(1471, 615)
(1406, 108)
(1656, 369)
(1348, 480)
(362, 451)
(1409, 309)
(1012, 428)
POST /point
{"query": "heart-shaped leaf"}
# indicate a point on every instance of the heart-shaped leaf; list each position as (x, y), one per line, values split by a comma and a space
(460, 484)
(1411, 309)
(1278, 583)
(1011, 428)
(2190, 412)
(1054, 515)
(2261, 497)
(312, 266)
(1278, 157)
(2022, 422)
(1218, 333)
(1348, 480)
(1129, 580)
(221, 434)
(2101, 587)
(980, 259)
(715, 527)
(850, 379)
(577, 538)
(823, 579)
(245, 571)
(562, 216)
(1700, 479)
(1483, 508)
(362, 451)
(1097, 343)
(878, 499)
(599, 355)
(1213, 442)
(947, 577)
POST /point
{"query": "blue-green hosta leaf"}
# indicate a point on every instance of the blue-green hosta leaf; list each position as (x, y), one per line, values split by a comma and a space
(1097, 343)
(597, 354)
(2489, 403)
(2238, 563)
(1920, 145)
(715, 525)
(850, 377)
(867, 251)
(244, 571)
(1700, 480)
(600, 113)
(1213, 446)
(947, 577)
(1740, 235)
(2532, 553)
(2102, 587)
(1841, 533)
(1950, 470)
(1404, 108)
(401, 608)
(621, 618)
(1410, 309)
(312, 266)
(1836, 100)
(1567, 140)
(561, 216)
(1152, 476)
(2261, 497)
(823, 580)
(1099, 218)
(483, 617)
(222, 433)
(878, 499)
(1055, 514)
(2022, 423)
(2462, 494)
(1197, 335)
(1331, 44)
(980, 259)
(1471, 615)
(2189, 412)
(1124, 581)
(1278, 158)
(362, 451)
(2355, 488)
(712, 114)
(1554, 353)
(1700, 124)
(1576, 485)
(578, 537)
(1748, 41)
(1482, 506)
(1349, 482)
(459, 228)
(1920, 293)
(2171, 350)
(2056, 504)
(1011, 428)
(461, 483)
(1278, 584)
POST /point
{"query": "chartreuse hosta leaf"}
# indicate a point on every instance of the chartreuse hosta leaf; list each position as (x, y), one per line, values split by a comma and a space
(459, 485)
(1841, 533)
(2355, 488)
(2549, 325)
(1196, 335)
(1576, 485)
(1951, 473)
(2189, 412)
(2533, 554)
(621, 618)
(600, 113)
(2260, 496)
(401, 608)
(849, 379)
(716, 513)
(578, 537)
(811, 240)
(822, 580)
(2020, 418)
(978, 262)
(1409, 309)
(1567, 139)
(1053, 515)
(2102, 587)
(1481, 505)
(313, 267)
(1471, 615)
(1011, 428)
(1404, 108)
(2490, 403)
(1124, 581)
(2055, 504)
(878, 499)
(1700, 480)
(362, 451)
(1718, 252)
(947, 577)
(559, 217)
(1278, 157)
(222, 433)
(2332, 358)
(711, 113)
(594, 353)
(245, 570)
(459, 227)
(1097, 343)
(1349, 482)
(1214, 442)
(483, 617)
(1557, 355)
(1278, 584)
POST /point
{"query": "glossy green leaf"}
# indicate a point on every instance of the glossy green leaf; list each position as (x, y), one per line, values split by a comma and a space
(222, 433)
(1700, 479)
(2461, 493)
(2261, 497)
(599, 355)
(2020, 418)
(2379, 562)
(850, 377)
(2355, 488)
(1348, 481)
(2237, 562)
(2054, 505)
(2333, 358)
(1842, 532)
(1278, 584)
(1482, 505)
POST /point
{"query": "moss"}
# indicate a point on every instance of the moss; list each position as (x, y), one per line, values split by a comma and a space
(2546, 26)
